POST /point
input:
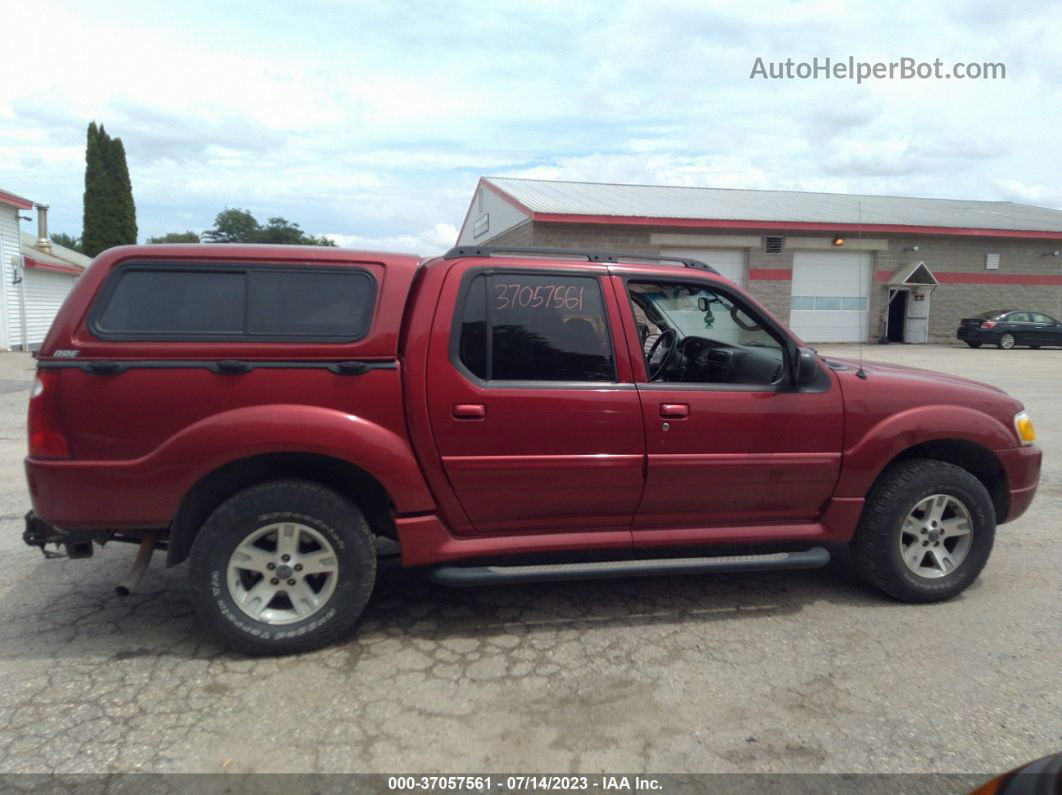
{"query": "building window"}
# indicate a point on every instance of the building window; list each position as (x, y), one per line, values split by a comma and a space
(847, 303)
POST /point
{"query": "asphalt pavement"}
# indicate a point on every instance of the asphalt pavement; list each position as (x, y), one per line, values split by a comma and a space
(780, 672)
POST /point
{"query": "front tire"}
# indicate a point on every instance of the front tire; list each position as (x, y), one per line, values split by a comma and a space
(282, 567)
(926, 532)
(1006, 342)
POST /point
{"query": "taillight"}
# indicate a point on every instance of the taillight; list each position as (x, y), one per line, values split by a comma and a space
(988, 324)
(46, 439)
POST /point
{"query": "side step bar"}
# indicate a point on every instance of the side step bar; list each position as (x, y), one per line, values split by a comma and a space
(502, 575)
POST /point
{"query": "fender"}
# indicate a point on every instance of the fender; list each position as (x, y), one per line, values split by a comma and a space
(146, 491)
(867, 456)
(242, 433)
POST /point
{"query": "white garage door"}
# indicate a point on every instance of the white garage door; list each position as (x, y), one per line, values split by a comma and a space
(829, 301)
(44, 294)
(730, 262)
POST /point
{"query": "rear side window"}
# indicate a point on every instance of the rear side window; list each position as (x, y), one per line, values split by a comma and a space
(227, 303)
(530, 327)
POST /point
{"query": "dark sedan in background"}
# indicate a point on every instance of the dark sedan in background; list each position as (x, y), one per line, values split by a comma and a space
(1006, 328)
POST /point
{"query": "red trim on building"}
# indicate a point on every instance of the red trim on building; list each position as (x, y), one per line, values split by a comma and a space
(771, 274)
(48, 266)
(17, 201)
(501, 195)
(519, 206)
(794, 226)
(958, 277)
(999, 278)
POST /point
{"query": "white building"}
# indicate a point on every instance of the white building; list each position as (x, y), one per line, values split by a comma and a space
(37, 275)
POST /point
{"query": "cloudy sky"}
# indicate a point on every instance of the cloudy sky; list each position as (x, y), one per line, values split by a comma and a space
(372, 121)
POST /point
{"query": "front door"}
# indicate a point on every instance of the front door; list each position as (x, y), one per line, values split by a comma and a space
(535, 414)
(729, 441)
(1045, 330)
(916, 329)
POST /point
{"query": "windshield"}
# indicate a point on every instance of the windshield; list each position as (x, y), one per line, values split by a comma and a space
(993, 313)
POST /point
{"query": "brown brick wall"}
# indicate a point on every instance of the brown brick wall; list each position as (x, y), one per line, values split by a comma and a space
(950, 302)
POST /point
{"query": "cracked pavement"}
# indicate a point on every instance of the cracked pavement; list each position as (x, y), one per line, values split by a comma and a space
(784, 672)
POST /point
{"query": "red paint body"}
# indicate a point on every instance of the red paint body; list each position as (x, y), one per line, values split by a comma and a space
(474, 468)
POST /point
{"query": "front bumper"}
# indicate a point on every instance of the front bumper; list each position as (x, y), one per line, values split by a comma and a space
(1022, 466)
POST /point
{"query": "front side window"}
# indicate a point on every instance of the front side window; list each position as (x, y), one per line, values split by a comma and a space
(232, 302)
(531, 327)
(694, 333)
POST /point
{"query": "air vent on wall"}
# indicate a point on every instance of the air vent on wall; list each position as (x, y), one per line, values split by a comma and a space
(773, 245)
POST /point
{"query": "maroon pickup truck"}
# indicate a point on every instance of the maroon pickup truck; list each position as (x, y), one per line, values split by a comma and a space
(275, 414)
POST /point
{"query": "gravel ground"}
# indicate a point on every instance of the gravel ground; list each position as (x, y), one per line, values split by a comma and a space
(802, 671)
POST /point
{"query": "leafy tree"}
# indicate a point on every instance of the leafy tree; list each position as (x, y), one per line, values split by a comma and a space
(109, 212)
(239, 226)
(285, 232)
(175, 237)
(233, 226)
(65, 240)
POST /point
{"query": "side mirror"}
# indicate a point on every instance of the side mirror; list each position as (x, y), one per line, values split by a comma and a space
(805, 365)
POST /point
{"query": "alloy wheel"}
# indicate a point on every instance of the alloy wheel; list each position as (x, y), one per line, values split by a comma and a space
(282, 573)
(935, 536)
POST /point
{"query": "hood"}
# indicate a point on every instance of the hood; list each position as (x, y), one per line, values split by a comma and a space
(913, 375)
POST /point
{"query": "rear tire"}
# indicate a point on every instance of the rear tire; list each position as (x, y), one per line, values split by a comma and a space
(1006, 342)
(282, 567)
(973, 344)
(906, 550)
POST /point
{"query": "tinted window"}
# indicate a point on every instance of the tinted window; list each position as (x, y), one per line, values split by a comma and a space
(524, 327)
(473, 335)
(1038, 318)
(1017, 317)
(312, 303)
(166, 301)
(256, 302)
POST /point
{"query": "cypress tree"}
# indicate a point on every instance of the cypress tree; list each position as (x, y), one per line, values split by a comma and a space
(109, 212)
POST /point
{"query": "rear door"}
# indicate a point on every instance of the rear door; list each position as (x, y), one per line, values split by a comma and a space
(533, 409)
(1020, 325)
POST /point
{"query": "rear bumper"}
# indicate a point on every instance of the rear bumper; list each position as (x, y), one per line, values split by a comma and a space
(1022, 466)
(971, 334)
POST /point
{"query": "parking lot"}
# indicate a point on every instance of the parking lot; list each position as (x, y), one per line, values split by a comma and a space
(799, 671)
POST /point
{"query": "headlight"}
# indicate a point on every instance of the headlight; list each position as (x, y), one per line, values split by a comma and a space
(1024, 426)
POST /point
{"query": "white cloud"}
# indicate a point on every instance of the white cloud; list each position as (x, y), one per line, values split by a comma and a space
(435, 239)
(373, 123)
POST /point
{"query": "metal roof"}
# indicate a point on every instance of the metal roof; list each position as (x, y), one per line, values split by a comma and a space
(729, 204)
(59, 255)
(13, 199)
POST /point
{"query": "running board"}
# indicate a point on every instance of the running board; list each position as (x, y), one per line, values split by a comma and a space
(502, 575)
